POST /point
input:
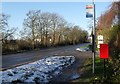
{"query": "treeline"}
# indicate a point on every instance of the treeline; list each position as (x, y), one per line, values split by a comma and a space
(41, 29)
(109, 26)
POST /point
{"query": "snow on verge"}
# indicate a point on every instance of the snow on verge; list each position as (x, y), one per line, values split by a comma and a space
(39, 71)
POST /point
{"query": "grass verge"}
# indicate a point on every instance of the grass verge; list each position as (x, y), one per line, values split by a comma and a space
(98, 77)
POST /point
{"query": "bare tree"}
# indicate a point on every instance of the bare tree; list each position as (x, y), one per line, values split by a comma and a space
(31, 24)
(46, 20)
(49, 28)
(5, 30)
(57, 23)
(61, 30)
(3, 21)
(54, 26)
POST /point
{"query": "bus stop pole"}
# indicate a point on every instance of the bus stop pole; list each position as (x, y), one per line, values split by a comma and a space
(94, 36)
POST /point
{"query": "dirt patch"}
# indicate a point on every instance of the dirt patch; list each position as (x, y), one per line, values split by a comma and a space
(73, 72)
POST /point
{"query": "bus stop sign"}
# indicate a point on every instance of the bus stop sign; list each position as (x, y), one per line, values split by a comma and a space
(104, 51)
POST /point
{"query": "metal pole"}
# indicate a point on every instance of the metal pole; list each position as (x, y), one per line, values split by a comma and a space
(94, 45)
(104, 72)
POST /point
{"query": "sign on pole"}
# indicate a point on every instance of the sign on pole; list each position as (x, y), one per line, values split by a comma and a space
(100, 40)
(104, 51)
(89, 11)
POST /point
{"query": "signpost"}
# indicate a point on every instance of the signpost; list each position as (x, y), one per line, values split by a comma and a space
(104, 54)
(90, 13)
(94, 36)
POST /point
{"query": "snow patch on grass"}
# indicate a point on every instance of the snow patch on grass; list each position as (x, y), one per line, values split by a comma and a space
(39, 71)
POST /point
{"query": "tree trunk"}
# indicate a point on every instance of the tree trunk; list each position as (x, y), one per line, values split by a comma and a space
(53, 43)
(46, 38)
(33, 38)
(59, 39)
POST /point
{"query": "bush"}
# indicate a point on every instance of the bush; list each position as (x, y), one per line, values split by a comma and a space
(90, 47)
(23, 45)
(114, 45)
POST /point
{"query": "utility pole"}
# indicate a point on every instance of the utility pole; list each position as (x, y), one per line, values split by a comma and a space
(93, 37)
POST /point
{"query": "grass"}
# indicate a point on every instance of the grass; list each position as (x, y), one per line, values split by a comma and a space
(98, 77)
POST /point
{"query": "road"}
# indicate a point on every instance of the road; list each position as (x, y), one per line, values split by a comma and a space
(13, 60)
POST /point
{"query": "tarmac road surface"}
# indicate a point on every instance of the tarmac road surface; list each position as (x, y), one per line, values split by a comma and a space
(13, 60)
